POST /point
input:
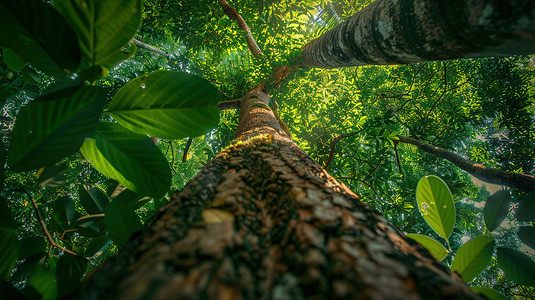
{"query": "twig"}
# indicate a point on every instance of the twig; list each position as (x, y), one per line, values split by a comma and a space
(185, 156)
(333, 144)
(45, 230)
(234, 15)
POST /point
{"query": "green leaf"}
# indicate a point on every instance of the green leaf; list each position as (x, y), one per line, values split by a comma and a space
(13, 60)
(496, 208)
(131, 198)
(527, 235)
(517, 266)
(64, 211)
(473, 257)
(96, 246)
(436, 205)
(121, 222)
(52, 176)
(491, 294)
(6, 220)
(3, 155)
(167, 104)
(69, 271)
(38, 33)
(131, 159)
(104, 28)
(93, 199)
(30, 76)
(526, 208)
(435, 248)
(43, 280)
(9, 252)
(31, 246)
(54, 126)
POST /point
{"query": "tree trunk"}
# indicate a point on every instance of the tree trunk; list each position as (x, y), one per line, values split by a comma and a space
(262, 220)
(389, 32)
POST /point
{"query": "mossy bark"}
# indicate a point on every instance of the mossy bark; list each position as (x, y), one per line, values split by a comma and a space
(389, 32)
(262, 220)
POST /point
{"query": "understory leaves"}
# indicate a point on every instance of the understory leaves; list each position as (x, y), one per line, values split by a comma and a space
(473, 257)
(9, 251)
(527, 235)
(104, 29)
(517, 266)
(38, 33)
(130, 158)
(69, 271)
(496, 208)
(166, 104)
(435, 248)
(43, 280)
(526, 208)
(54, 126)
(436, 205)
(93, 200)
(491, 294)
(121, 222)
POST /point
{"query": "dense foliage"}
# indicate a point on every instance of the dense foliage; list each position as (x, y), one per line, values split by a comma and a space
(80, 102)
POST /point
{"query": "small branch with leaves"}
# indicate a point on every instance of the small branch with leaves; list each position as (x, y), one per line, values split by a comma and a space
(233, 14)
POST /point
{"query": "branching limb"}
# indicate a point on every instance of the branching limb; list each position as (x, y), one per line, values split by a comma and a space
(333, 145)
(185, 156)
(234, 15)
(229, 104)
(523, 182)
(150, 48)
(45, 230)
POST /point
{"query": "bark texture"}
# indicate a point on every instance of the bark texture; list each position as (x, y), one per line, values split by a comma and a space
(523, 182)
(390, 32)
(262, 220)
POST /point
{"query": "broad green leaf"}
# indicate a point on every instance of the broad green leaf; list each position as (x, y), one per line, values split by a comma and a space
(473, 257)
(6, 220)
(527, 235)
(93, 200)
(69, 271)
(131, 198)
(131, 159)
(104, 28)
(496, 208)
(54, 126)
(31, 246)
(43, 280)
(90, 226)
(3, 155)
(435, 248)
(9, 252)
(52, 176)
(121, 222)
(13, 60)
(30, 76)
(517, 266)
(436, 205)
(491, 294)
(64, 211)
(167, 104)
(525, 211)
(38, 33)
(96, 246)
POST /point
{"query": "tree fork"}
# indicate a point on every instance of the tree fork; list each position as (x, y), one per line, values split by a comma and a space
(388, 32)
(262, 220)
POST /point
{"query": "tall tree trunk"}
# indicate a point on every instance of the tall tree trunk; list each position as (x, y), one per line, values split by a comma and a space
(390, 32)
(262, 220)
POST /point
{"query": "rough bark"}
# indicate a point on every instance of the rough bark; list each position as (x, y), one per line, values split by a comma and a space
(262, 220)
(523, 182)
(408, 31)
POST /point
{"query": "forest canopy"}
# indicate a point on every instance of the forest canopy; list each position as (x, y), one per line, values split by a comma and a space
(110, 107)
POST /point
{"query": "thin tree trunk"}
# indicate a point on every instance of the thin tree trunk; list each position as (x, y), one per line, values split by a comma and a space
(523, 182)
(142, 45)
(390, 32)
(262, 220)
(233, 14)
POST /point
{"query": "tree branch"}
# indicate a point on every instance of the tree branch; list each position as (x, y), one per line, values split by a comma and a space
(523, 182)
(45, 230)
(234, 15)
(333, 144)
(229, 104)
(185, 156)
(150, 48)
